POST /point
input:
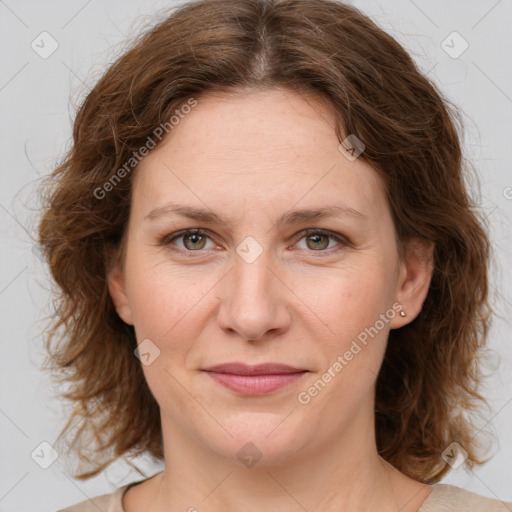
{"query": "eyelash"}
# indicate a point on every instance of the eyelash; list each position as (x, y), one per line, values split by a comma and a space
(343, 241)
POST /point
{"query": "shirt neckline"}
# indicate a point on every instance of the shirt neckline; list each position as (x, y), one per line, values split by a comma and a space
(124, 489)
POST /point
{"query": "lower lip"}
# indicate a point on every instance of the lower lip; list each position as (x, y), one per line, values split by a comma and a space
(255, 384)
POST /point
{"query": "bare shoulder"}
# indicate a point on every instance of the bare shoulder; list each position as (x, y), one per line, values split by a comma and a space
(450, 498)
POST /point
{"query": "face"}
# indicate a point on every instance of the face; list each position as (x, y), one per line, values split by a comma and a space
(260, 282)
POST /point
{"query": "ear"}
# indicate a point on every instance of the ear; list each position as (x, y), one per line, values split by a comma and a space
(415, 274)
(117, 289)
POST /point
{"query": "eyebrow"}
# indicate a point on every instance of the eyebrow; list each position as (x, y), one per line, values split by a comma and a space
(293, 217)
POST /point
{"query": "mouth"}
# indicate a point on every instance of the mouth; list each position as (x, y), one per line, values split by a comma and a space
(255, 380)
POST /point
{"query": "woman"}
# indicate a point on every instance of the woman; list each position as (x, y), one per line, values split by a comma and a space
(271, 276)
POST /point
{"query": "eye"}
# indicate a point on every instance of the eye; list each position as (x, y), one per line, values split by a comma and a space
(192, 239)
(319, 240)
(195, 240)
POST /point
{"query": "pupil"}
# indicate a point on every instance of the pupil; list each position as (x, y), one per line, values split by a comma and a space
(316, 240)
(194, 238)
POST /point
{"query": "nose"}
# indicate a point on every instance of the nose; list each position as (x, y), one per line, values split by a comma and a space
(253, 300)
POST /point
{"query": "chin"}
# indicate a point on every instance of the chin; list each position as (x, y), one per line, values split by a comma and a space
(261, 439)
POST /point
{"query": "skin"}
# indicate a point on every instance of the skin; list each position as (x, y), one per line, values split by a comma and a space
(251, 157)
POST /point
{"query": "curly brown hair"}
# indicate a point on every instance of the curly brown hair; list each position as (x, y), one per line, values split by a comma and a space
(430, 376)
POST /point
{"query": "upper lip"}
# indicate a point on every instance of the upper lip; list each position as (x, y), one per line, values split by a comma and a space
(259, 369)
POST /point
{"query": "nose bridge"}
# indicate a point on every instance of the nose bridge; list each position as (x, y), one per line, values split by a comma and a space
(253, 277)
(251, 302)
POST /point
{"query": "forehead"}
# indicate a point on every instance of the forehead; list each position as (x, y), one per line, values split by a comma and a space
(256, 149)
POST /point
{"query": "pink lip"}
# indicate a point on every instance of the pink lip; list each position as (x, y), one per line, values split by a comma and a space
(254, 380)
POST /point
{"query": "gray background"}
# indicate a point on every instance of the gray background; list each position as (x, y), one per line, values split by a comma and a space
(37, 100)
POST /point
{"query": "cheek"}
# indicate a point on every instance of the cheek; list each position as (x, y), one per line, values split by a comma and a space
(168, 309)
(164, 299)
(349, 302)
(353, 348)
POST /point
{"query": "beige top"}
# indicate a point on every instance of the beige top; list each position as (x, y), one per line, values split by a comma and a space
(443, 498)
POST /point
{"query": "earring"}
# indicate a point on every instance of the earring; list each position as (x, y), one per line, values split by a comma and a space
(402, 313)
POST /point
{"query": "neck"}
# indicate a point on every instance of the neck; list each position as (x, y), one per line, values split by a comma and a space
(343, 473)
